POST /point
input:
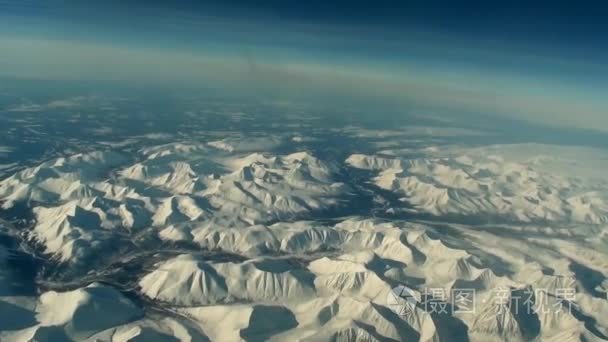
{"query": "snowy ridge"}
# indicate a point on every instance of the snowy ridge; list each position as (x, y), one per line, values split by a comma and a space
(78, 208)
(479, 185)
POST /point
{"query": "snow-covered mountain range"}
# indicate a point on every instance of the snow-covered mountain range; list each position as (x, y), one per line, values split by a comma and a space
(198, 242)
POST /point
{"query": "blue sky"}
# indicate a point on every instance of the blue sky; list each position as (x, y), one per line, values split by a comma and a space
(544, 62)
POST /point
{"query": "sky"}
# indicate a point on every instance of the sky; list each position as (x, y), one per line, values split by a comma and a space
(544, 62)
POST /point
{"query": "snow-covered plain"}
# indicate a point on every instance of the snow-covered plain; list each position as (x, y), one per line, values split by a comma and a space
(225, 241)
